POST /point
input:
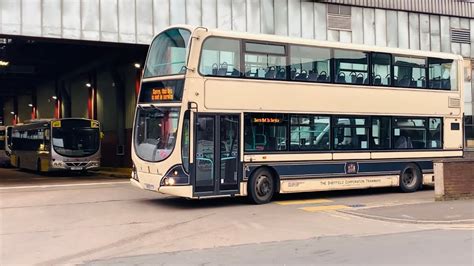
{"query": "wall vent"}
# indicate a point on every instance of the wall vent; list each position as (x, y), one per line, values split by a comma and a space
(460, 36)
(339, 18)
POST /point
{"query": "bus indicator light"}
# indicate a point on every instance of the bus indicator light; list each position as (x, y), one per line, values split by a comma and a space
(94, 124)
(56, 123)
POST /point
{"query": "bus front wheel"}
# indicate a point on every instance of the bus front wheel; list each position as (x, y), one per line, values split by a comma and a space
(261, 186)
(410, 178)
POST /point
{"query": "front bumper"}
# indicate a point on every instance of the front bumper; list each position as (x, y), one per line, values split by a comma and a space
(74, 166)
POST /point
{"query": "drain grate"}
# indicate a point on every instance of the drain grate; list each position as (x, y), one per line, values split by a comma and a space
(356, 205)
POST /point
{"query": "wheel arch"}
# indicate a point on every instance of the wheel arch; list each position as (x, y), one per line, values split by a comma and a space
(272, 170)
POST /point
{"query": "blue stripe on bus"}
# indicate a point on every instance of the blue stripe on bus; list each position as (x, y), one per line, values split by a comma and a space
(339, 169)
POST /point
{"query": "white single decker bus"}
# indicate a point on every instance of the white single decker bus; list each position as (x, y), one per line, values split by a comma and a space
(66, 144)
(234, 114)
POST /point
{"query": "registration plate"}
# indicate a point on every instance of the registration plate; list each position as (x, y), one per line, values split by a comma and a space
(149, 186)
(76, 168)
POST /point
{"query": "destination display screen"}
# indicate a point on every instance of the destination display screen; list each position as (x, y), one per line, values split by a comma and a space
(162, 91)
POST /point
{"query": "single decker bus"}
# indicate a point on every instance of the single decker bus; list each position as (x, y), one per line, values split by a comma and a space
(4, 158)
(67, 144)
(235, 114)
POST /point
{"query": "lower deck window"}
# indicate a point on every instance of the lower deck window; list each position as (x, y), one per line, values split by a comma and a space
(351, 133)
(310, 132)
(270, 132)
(266, 132)
(410, 133)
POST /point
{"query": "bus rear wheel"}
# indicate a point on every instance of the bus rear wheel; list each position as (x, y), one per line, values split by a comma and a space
(261, 186)
(410, 178)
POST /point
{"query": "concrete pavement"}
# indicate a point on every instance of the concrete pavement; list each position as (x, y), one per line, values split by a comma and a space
(411, 248)
(446, 212)
(45, 220)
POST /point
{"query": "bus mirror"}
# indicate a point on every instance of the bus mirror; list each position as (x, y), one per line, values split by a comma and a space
(102, 135)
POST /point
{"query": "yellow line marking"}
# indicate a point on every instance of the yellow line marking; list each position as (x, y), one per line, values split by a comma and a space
(301, 202)
(338, 216)
(324, 208)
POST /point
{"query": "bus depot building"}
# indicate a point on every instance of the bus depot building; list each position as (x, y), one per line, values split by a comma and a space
(62, 58)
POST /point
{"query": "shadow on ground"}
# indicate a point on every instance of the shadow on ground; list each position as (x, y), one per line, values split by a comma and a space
(183, 204)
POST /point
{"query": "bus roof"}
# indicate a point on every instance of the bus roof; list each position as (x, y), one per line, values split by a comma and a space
(43, 122)
(317, 43)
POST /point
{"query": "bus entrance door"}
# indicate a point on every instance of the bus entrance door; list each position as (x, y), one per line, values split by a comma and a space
(217, 166)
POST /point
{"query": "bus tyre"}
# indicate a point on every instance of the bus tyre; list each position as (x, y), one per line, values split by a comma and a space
(410, 178)
(261, 186)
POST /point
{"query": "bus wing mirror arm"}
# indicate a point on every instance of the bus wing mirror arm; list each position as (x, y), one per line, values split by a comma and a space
(188, 68)
(193, 106)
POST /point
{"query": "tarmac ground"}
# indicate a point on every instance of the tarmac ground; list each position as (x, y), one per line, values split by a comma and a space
(101, 219)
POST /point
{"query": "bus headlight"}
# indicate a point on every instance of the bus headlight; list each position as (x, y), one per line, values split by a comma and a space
(175, 176)
(58, 164)
(169, 181)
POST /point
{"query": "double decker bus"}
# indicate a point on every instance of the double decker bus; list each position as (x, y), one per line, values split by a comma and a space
(56, 144)
(235, 114)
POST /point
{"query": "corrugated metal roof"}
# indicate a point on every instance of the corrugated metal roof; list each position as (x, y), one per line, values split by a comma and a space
(458, 8)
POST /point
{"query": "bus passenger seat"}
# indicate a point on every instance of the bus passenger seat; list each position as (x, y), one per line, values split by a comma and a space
(313, 76)
(403, 143)
(404, 82)
(341, 78)
(293, 74)
(281, 74)
(222, 69)
(377, 80)
(214, 69)
(301, 76)
(322, 76)
(270, 73)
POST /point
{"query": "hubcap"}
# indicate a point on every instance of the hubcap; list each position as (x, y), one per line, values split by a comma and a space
(263, 186)
(409, 177)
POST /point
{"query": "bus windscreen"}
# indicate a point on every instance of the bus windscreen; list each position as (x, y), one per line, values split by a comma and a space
(75, 138)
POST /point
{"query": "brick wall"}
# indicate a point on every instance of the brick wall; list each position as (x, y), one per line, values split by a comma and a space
(454, 179)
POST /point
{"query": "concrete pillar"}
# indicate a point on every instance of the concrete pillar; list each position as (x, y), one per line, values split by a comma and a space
(120, 88)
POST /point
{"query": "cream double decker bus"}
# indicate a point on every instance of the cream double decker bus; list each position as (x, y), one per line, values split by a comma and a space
(235, 114)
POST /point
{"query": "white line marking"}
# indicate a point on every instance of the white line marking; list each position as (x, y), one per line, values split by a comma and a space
(66, 185)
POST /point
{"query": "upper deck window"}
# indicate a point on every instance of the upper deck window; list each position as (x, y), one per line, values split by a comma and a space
(220, 57)
(409, 72)
(167, 55)
(351, 67)
(310, 63)
(265, 61)
(442, 73)
(381, 69)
